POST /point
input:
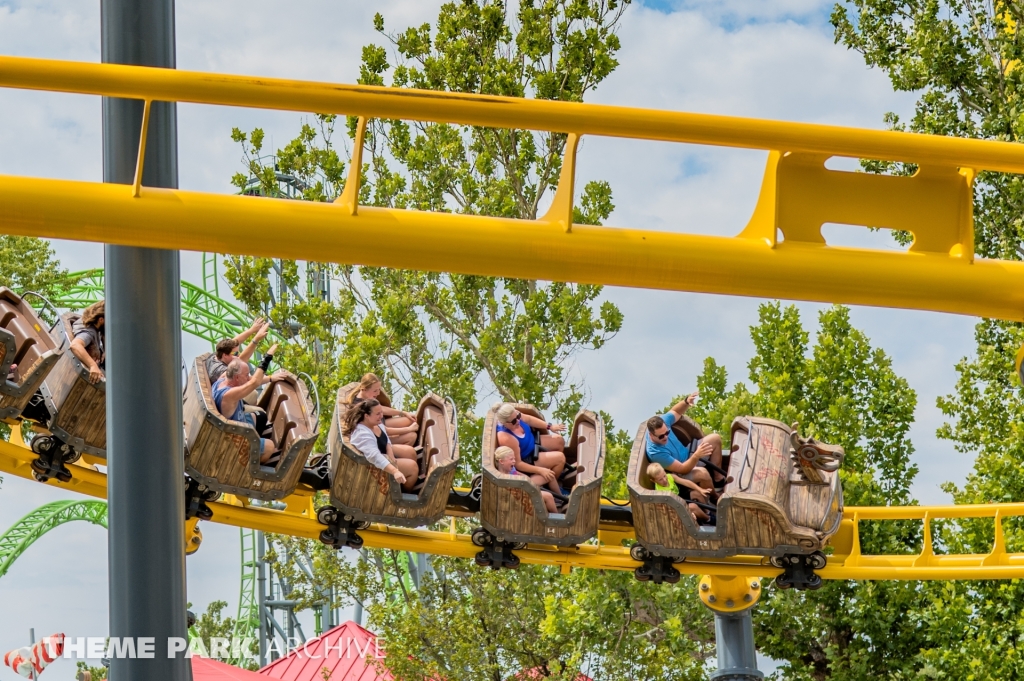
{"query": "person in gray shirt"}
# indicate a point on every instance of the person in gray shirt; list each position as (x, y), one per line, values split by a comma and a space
(229, 348)
(87, 340)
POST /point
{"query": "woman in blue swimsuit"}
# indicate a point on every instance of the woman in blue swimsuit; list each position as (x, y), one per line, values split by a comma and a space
(540, 453)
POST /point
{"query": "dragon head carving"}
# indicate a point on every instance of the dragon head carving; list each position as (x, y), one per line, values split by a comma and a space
(812, 457)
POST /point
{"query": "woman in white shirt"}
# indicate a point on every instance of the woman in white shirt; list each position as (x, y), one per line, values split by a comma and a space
(364, 430)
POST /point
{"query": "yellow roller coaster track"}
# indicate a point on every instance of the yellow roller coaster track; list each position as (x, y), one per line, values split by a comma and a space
(298, 519)
(798, 195)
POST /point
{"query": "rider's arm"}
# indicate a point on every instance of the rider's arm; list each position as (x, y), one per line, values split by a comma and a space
(680, 407)
(79, 350)
(682, 467)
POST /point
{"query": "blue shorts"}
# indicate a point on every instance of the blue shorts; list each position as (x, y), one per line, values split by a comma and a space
(251, 420)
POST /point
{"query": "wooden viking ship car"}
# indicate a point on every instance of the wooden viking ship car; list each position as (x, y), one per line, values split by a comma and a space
(26, 343)
(511, 508)
(361, 493)
(224, 456)
(73, 410)
(785, 499)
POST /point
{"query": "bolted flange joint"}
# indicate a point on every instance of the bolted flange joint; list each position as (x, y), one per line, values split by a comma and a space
(729, 594)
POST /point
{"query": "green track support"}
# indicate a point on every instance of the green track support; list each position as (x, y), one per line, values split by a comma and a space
(247, 622)
(22, 534)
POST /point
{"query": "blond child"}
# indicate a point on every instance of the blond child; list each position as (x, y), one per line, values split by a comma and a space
(665, 482)
(505, 460)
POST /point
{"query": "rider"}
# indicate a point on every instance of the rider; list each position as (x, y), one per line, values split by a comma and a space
(364, 428)
(665, 448)
(229, 391)
(669, 482)
(401, 425)
(87, 342)
(504, 461)
(217, 363)
(541, 454)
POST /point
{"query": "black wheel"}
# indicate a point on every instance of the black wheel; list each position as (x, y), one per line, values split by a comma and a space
(41, 444)
(783, 583)
(777, 561)
(481, 559)
(481, 537)
(814, 583)
(326, 516)
(40, 477)
(641, 575)
(39, 466)
(210, 495)
(327, 537)
(672, 576)
(204, 513)
(361, 524)
(64, 475)
(817, 560)
(519, 545)
(512, 562)
(356, 542)
(72, 456)
(638, 553)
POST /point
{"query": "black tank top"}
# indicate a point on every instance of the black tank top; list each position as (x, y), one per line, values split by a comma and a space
(382, 442)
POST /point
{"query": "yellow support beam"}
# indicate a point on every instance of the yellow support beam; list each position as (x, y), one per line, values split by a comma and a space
(798, 195)
(846, 562)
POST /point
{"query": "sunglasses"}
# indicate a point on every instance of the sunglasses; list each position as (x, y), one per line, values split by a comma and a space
(660, 435)
(515, 419)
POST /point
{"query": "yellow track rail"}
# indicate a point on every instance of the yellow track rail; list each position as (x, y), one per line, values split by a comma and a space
(846, 562)
(797, 196)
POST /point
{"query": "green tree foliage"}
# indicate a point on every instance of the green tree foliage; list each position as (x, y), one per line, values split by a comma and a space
(842, 391)
(448, 333)
(29, 264)
(95, 673)
(212, 623)
(963, 58)
(466, 623)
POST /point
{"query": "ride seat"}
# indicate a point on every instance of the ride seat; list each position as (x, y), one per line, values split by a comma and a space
(277, 396)
(282, 430)
(22, 331)
(6, 314)
(27, 357)
(291, 414)
(27, 352)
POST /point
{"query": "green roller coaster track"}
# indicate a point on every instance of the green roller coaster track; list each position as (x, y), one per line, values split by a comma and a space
(26, 531)
(203, 313)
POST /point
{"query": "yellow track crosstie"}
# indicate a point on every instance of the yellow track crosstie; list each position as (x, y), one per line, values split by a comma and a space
(797, 196)
(847, 562)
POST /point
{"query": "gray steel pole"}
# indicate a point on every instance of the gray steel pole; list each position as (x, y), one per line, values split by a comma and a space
(261, 600)
(143, 339)
(734, 640)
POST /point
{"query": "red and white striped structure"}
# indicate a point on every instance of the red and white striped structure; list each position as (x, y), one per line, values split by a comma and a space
(30, 662)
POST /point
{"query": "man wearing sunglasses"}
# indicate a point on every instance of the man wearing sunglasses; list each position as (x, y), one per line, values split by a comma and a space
(664, 446)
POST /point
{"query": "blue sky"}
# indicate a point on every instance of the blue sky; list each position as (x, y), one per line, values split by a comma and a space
(772, 60)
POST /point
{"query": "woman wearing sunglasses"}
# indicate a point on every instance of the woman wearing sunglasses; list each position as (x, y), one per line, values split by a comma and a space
(538, 448)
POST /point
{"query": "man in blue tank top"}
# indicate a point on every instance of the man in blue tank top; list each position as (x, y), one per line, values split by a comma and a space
(230, 389)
